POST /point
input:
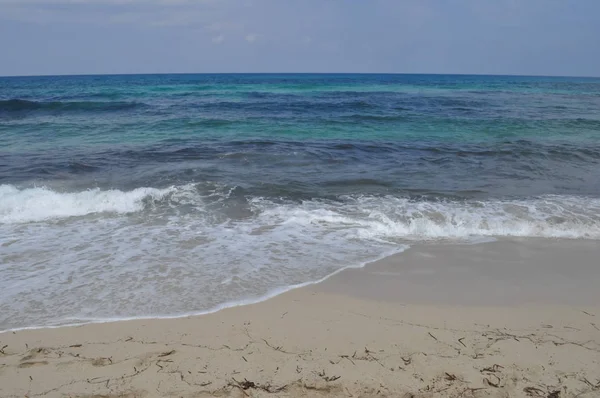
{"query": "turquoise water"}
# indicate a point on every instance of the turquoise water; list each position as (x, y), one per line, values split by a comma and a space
(208, 190)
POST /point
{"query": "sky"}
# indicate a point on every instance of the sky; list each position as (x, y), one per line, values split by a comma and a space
(523, 37)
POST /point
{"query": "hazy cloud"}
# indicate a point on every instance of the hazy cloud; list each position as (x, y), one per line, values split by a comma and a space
(104, 2)
(223, 26)
(251, 38)
(462, 36)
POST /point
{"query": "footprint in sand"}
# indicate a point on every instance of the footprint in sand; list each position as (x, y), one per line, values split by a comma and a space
(35, 353)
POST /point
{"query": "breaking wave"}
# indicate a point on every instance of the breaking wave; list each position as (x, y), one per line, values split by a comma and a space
(370, 217)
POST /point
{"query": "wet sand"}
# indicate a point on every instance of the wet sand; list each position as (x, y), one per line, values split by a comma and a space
(502, 319)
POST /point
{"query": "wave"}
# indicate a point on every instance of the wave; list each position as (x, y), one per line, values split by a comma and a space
(381, 152)
(266, 106)
(391, 218)
(40, 204)
(549, 216)
(356, 117)
(366, 217)
(219, 245)
(19, 105)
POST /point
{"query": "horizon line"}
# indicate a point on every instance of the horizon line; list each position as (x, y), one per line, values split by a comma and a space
(291, 73)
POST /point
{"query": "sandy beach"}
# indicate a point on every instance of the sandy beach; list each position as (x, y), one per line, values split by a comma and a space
(514, 318)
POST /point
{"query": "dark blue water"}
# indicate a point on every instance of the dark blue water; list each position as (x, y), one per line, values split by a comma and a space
(224, 187)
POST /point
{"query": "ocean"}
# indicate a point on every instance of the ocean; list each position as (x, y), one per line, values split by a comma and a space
(139, 196)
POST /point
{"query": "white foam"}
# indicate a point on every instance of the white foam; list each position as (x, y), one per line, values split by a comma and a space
(70, 322)
(390, 217)
(188, 255)
(372, 216)
(39, 204)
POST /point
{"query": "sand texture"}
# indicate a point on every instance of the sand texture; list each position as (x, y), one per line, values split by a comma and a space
(319, 341)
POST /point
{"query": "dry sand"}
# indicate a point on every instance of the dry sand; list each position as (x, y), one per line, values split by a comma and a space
(504, 319)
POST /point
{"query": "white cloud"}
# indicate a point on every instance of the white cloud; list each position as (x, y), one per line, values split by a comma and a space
(176, 18)
(251, 38)
(145, 13)
(218, 39)
(223, 26)
(125, 18)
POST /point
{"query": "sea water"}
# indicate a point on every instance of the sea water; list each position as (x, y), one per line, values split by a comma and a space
(165, 195)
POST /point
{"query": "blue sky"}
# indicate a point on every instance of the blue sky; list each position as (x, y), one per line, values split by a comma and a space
(539, 37)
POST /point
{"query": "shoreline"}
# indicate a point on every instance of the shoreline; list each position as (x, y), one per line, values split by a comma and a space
(361, 333)
(391, 255)
(231, 304)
